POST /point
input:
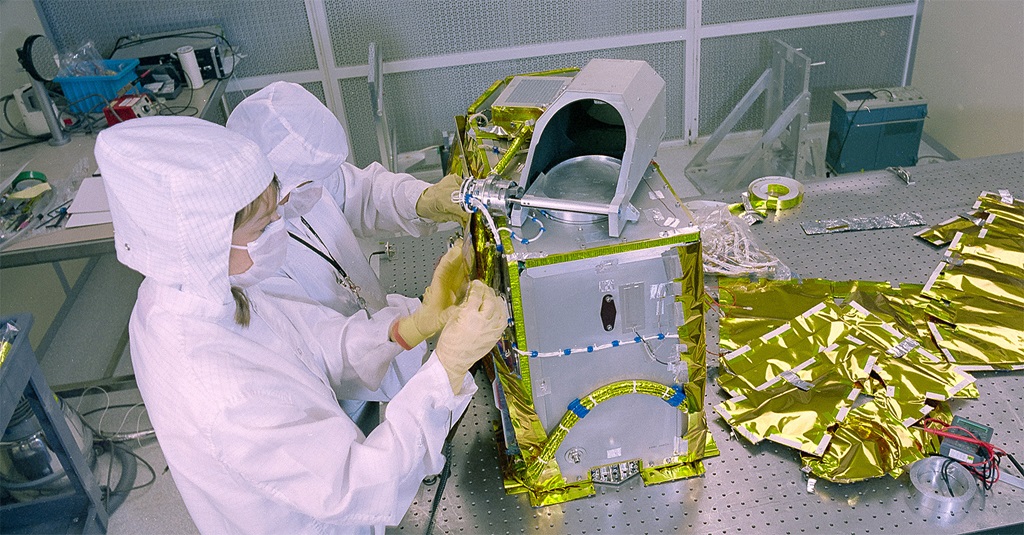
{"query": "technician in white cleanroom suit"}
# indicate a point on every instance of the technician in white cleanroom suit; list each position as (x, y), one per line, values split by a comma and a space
(332, 202)
(246, 415)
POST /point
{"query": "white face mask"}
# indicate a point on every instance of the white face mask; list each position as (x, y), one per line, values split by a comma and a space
(301, 200)
(267, 253)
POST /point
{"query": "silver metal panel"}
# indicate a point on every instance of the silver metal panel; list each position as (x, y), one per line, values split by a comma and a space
(759, 488)
(402, 30)
(858, 54)
(532, 91)
(573, 319)
(424, 103)
(274, 35)
(722, 11)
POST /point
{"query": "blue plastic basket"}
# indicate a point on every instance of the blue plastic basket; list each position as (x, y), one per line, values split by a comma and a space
(89, 94)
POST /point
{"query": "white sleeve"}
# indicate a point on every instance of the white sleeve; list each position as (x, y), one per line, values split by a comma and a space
(352, 350)
(377, 201)
(357, 351)
(301, 452)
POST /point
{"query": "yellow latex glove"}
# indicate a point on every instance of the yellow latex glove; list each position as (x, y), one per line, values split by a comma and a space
(447, 287)
(435, 203)
(471, 332)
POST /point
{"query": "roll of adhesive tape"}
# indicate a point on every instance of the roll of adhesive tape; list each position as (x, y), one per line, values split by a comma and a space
(27, 179)
(187, 57)
(776, 192)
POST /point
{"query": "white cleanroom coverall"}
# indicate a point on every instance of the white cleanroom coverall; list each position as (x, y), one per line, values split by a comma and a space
(247, 417)
(339, 202)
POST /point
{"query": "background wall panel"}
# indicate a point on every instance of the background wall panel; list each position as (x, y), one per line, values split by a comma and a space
(723, 11)
(407, 29)
(860, 54)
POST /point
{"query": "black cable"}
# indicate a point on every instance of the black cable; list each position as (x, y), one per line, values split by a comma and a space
(25, 144)
(1015, 464)
(138, 458)
(945, 475)
(181, 109)
(442, 480)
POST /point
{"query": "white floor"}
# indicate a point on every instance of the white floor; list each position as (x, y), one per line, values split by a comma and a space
(82, 350)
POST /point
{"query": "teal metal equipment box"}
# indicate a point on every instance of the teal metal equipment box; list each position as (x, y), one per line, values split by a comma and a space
(875, 128)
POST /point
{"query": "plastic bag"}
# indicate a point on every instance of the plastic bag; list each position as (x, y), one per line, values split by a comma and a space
(85, 61)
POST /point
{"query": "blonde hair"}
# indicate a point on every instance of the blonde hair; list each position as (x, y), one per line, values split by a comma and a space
(259, 205)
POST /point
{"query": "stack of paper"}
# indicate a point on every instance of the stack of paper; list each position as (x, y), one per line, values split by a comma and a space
(90, 205)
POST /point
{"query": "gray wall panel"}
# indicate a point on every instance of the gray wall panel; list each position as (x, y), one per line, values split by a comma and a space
(859, 54)
(721, 11)
(405, 29)
(273, 34)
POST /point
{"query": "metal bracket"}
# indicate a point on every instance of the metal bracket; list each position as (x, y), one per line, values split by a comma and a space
(385, 134)
(783, 123)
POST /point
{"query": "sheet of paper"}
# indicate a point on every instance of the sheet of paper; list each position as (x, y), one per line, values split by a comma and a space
(91, 197)
(84, 219)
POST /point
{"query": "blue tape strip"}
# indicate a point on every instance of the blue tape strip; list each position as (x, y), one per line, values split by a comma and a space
(678, 398)
(577, 408)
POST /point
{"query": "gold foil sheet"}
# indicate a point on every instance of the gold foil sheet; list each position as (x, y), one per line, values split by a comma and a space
(799, 384)
(941, 234)
(976, 296)
(871, 443)
(751, 308)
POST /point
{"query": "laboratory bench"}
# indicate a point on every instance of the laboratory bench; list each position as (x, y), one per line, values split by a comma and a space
(760, 487)
(74, 161)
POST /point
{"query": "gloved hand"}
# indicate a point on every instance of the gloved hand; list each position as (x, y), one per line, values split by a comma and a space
(471, 332)
(447, 287)
(435, 203)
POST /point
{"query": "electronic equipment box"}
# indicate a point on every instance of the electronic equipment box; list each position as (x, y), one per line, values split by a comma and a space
(159, 49)
(875, 128)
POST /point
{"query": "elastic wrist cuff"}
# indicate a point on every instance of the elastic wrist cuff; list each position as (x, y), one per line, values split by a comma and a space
(397, 337)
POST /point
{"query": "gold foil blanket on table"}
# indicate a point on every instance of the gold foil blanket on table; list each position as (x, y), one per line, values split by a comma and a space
(837, 371)
(975, 297)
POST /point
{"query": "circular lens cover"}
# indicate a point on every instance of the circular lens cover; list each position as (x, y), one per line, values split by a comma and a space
(37, 56)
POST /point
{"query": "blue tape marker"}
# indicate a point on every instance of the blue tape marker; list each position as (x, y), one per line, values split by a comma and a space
(677, 398)
(661, 336)
(615, 343)
(577, 408)
(566, 351)
(533, 353)
(590, 349)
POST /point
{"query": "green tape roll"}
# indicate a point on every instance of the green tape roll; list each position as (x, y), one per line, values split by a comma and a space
(34, 176)
(775, 193)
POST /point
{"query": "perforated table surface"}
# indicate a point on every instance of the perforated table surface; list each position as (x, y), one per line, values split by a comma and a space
(760, 488)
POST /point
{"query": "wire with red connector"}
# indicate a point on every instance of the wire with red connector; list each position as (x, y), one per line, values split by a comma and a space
(987, 469)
